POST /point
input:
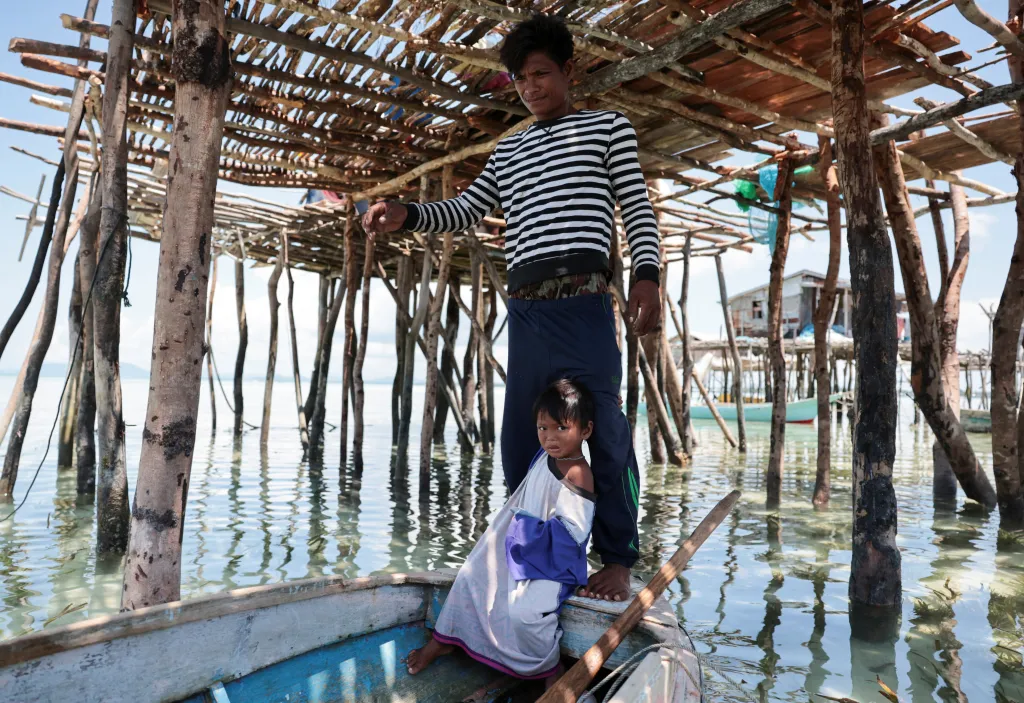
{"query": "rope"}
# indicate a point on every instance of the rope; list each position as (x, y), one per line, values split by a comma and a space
(67, 380)
(216, 372)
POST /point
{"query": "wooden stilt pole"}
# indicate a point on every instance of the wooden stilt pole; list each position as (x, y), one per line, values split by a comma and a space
(202, 71)
(209, 342)
(488, 378)
(357, 371)
(822, 322)
(349, 355)
(422, 304)
(243, 340)
(483, 344)
(469, 382)
(926, 368)
(85, 443)
(632, 369)
(650, 351)
(673, 386)
(737, 380)
(875, 577)
(433, 330)
(322, 312)
(303, 424)
(316, 423)
(683, 330)
(451, 330)
(69, 406)
(403, 284)
(776, 353)
(268, 388)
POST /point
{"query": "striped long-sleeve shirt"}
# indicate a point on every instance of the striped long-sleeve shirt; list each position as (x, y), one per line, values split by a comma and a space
(557, 183)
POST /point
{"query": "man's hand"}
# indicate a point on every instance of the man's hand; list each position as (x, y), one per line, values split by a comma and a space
(644, 307)
(387, 216)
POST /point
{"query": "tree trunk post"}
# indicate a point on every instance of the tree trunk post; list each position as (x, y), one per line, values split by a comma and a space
(323, 306)
(684, 338)
(300, 408)
(776, 352)
(875, 576)
(349, 354)
(433, 330)
(357, 371)
(243, 340)
(483, 346)
(737, 363)
(823, 322)
(451, 328)
(69, 406)
(403, 285)
(268, 388)
(926, 374)
(86, 430)
(422, 307)
(652, 353)
(209, 341)
(488, 379)
(316, 423)
(469, 382)
(202, 69)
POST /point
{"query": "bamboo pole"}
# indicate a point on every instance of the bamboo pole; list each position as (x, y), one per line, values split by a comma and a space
(926, 366)
(822, 323)
(357, 372)
(85, 442)
(268, 388)
(203, 72)
(303, 425)
(243, 341)
(69, 406)
(776, 351)
(875, 577)
(209, 341)
(349, 354)
(737, 380)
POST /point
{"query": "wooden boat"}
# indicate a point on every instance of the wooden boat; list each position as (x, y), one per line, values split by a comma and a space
(311, 641)
(979, 421)
(798, 411)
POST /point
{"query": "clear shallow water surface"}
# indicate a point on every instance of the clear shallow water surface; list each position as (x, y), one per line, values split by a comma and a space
(764, 598)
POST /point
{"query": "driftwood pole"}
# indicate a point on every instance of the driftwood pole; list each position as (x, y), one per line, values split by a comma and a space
(926, 369)
(325, 289)
(875, 577)
(737, 363)
(85, 443)
(776, 353)
(69, 406)
(209, 341)
(409, 364)
(357, 372)
(488, 379)
(268, 387)
(469, 381)
(483, 346)
(684, 338)
(111, 250)
(403, 285)
(349, 352)
(202, 69)
(243, 338)
(451, 331)
(316, 424)
(1007, 425)
(433, 330)
(296, 377)
(822, 323)
(651, 351)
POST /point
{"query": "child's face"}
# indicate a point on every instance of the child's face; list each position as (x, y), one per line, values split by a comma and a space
(561, 440)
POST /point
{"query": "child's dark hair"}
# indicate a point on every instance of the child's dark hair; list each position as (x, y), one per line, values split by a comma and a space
(545, 33)
(566, 402)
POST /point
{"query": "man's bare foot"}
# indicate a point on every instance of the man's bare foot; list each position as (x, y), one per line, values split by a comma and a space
(550, 681)
(420, 659)
(610, 583)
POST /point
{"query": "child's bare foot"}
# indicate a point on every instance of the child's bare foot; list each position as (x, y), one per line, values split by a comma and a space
(420, 659)
(550, 681)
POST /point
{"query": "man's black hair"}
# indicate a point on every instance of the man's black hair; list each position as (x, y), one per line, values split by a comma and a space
(566, 402)
(545, 33)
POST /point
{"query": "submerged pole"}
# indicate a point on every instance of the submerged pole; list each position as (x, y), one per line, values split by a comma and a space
(451, 331)
(422, 305)
(469, 381)
(433, 330)
(323, 306)
(85, 442)
(737, 363)
(316, 423)
(268, 386)
(202, 69)
(349, 351)
(651, 355)
(69, 406)
(357, 373)
(776, 352)
(875, 575)
(823, 321)
(403, 286)
(683, 329)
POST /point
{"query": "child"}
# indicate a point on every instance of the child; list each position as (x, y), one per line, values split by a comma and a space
(503, 607)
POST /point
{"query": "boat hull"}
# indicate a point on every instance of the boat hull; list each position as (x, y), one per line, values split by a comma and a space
(314, 641)
(799, 411)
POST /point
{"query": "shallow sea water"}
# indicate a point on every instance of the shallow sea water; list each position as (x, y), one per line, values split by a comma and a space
(765, 598)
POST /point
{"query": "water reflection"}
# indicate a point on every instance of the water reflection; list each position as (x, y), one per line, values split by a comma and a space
(765, 598)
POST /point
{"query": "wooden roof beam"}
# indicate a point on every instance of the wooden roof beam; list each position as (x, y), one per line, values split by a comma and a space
(929, 118)
(981, 19)
(968, 136)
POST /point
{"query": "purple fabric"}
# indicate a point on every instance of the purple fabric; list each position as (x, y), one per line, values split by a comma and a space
(545, 549)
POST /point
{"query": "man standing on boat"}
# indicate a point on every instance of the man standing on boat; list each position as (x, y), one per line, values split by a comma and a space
(557, 183)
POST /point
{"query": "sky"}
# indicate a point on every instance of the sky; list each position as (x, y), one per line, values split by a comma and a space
(992, 235)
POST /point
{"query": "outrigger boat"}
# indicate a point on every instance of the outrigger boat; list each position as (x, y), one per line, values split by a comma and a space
(316, 641)
(798, 411)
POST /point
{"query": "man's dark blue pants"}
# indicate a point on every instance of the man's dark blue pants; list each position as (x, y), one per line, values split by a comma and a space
(574, 338)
